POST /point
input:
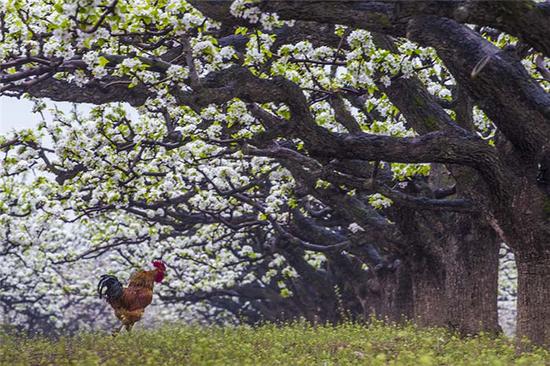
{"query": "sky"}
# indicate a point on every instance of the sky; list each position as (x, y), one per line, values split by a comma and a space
(16, 113)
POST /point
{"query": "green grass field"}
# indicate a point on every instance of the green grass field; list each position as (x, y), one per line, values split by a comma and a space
(296, 344)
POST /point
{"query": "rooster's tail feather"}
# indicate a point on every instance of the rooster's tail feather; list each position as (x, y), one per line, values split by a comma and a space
(109, 287)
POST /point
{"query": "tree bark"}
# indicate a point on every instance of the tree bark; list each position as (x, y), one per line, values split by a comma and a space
(533, 294)
(394, 300)
(454, 265)
(383, 292)
(429, 297)
(472, 278)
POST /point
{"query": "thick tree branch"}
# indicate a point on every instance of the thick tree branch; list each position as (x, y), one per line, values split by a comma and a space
(501, 85)
(527, 20)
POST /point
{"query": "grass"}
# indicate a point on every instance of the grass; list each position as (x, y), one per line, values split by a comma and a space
(294, 344)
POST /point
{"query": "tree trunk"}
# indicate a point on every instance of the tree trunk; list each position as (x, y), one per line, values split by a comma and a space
(533, 299)
(387, 295)
(396, 304)
(454, 272)
(472, 288)
(429, 297)
(471, 280)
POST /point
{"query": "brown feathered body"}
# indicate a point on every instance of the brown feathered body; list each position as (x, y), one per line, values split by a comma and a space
(129, 302)
(135, 298)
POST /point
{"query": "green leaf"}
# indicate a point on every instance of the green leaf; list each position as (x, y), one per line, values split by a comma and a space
(241, 30)
(103, 61)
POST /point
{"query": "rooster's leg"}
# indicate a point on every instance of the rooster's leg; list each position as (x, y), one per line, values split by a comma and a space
(116, 331)
(129, 327)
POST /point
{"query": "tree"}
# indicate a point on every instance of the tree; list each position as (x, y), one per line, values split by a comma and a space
(415, 161)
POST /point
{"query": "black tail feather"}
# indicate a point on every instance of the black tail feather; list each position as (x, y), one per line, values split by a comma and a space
(109, 287)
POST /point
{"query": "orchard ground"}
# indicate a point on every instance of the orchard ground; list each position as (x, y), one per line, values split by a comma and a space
(292, 344)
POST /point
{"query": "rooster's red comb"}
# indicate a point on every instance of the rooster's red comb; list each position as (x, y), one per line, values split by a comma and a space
(159, 265)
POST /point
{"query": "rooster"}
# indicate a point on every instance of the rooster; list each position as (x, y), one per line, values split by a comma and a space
(130, 302)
